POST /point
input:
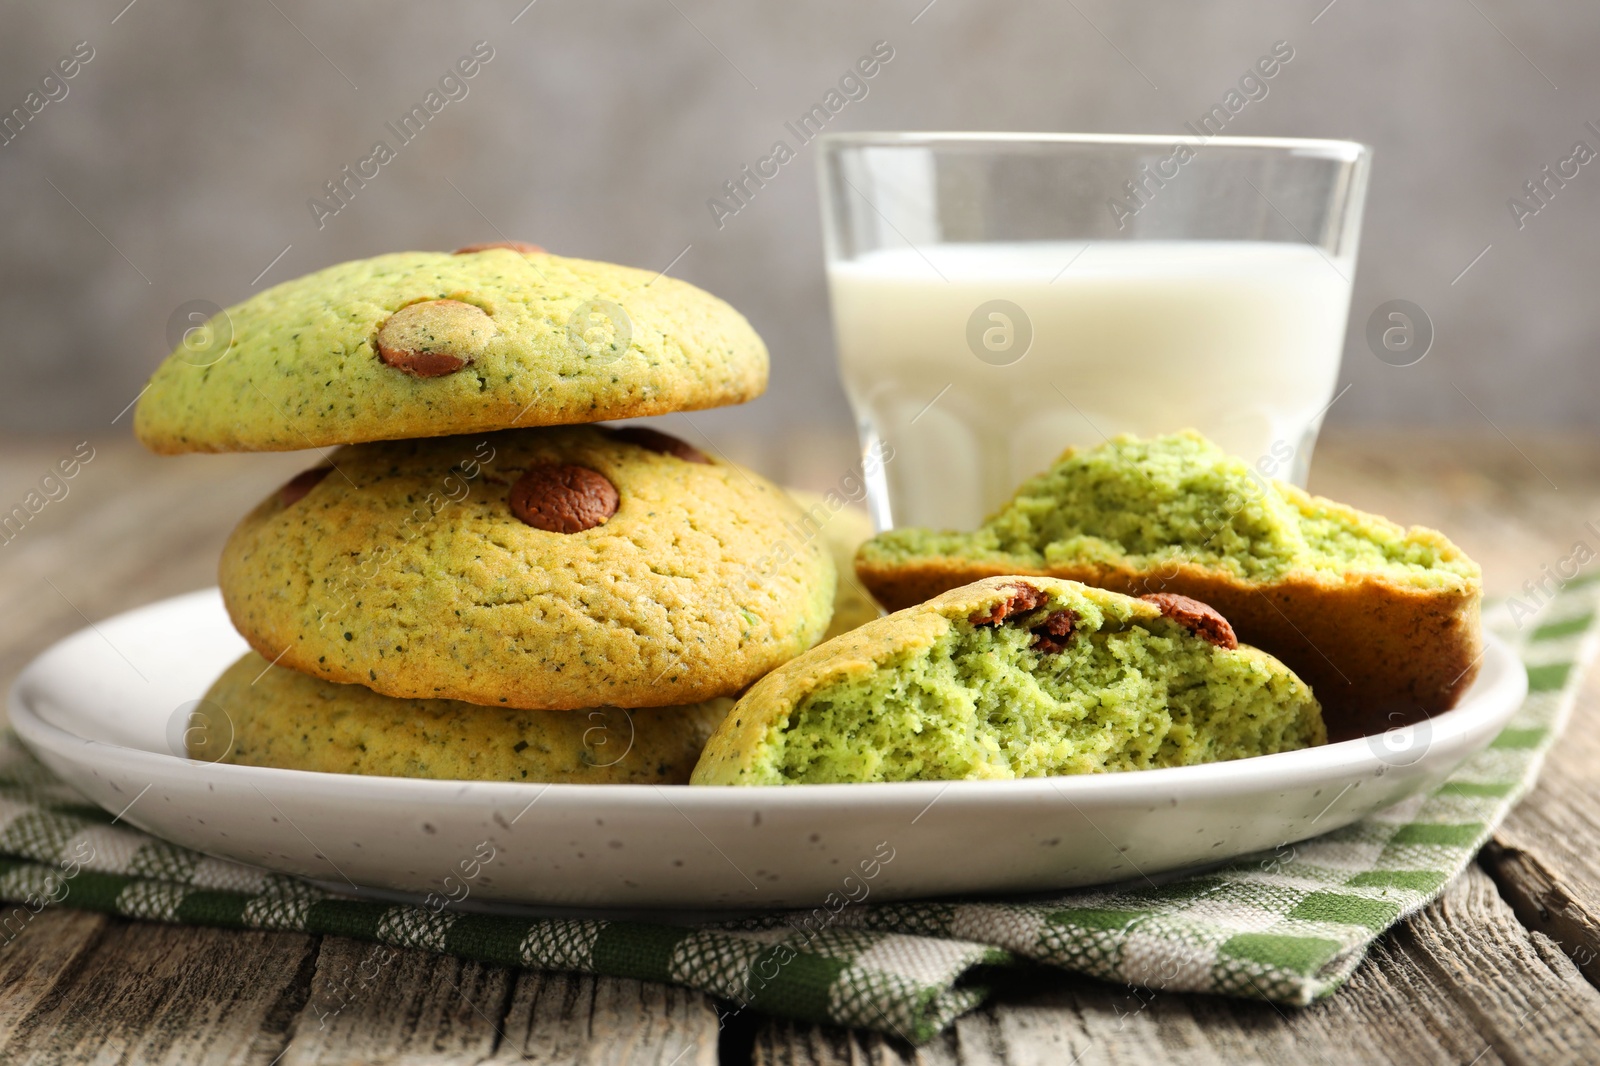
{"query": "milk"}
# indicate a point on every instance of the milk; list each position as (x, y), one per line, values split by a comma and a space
(1238, 339)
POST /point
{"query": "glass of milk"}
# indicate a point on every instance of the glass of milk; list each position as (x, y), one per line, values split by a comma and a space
(999, 297)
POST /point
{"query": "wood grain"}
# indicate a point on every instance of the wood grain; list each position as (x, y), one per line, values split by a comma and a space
(1545, 857)
(1523, 996)
(556, 1018)
(377, 1004)
(48, 951)
(163, 994)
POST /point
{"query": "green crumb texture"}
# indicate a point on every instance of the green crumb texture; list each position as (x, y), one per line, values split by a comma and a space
(929, 693)
(1140, 505)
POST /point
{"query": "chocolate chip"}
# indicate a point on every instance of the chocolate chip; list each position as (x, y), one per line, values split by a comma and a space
(296, 488)
(432, 338)
(663, 443)
(1052, 634)
(563, 498)
(1019, 598)
(516, 246)
(1201, 619)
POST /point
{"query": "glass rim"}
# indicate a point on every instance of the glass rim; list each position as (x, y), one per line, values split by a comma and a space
(1346, 151)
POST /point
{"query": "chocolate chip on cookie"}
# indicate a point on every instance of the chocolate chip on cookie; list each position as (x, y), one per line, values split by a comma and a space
(1052, 634)
(563, 498)
(1201, 619)
(432, 338)
(295, 489)
(516, 246)
(663, 443)
(1019, 598)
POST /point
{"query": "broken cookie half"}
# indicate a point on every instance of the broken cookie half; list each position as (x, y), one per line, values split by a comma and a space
(1015, 677)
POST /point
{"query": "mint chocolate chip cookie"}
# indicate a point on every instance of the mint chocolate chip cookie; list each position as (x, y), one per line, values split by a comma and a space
(1380, 620)
(1014, 677)
(259, 715)
(561, 568)
(426, 344)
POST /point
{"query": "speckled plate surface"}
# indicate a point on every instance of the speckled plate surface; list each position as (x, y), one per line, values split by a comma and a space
(106, 708)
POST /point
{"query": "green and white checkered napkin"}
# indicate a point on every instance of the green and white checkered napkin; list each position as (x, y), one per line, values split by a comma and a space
(1291, 925)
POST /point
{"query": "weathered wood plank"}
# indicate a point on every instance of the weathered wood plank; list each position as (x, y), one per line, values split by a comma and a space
(1547, 900)
(1526, 999)
(149, 993)
(47, 950)
(558, 1018)
(1545, 857)
(375, 1004)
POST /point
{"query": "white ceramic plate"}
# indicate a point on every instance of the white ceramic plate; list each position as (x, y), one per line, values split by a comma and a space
(105, 709)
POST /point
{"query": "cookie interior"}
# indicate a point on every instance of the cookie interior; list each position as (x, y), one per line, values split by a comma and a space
(1127, 692)
(1180, 498)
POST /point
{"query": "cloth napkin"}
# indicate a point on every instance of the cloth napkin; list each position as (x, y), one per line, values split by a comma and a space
(1290, 925)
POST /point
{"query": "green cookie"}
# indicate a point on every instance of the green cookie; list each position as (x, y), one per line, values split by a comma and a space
(558, 569)
(1014, 677)
(257, 714)
(427, 344)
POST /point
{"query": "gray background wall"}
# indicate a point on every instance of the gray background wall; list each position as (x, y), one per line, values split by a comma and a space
(184, 153)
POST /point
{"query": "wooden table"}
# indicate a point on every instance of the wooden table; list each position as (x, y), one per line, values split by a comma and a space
(1498, 970)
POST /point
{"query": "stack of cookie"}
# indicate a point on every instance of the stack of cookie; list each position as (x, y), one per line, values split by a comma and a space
(478, 583)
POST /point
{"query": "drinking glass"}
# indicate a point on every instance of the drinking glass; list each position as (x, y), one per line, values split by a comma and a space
(999, 297)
